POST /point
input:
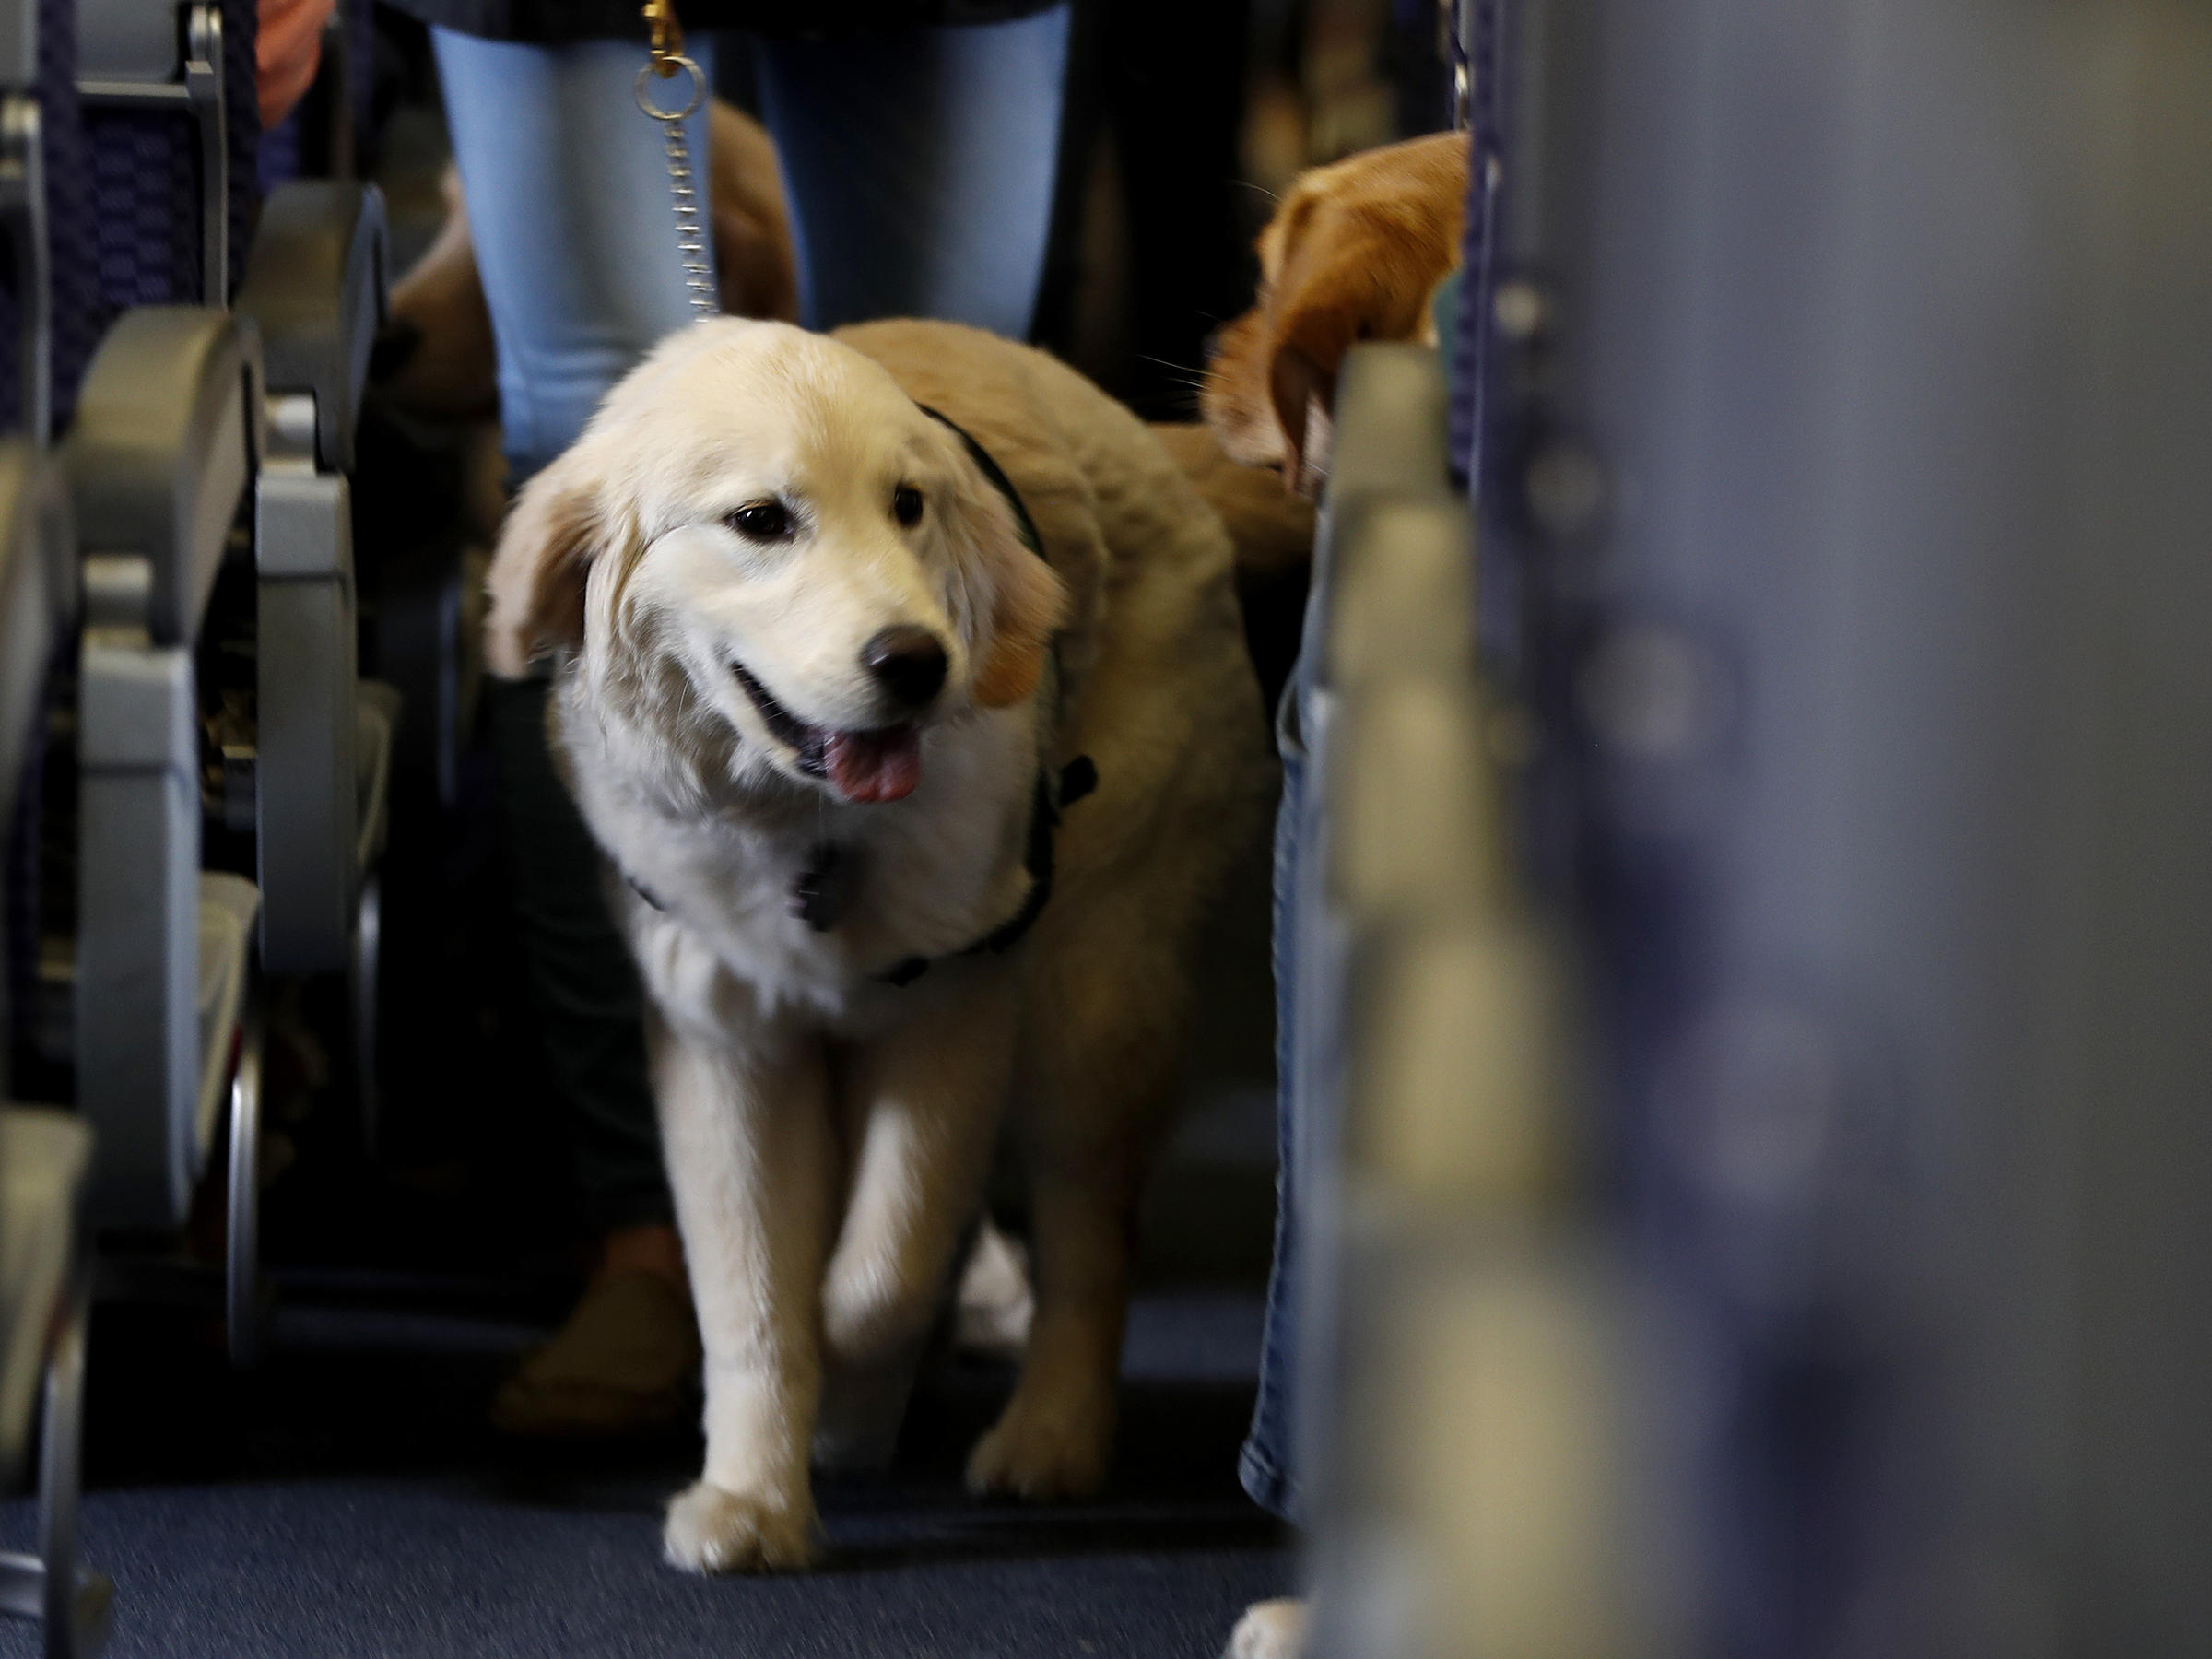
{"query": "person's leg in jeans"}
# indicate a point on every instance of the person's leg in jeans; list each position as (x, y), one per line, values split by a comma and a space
(575, 232)
(1270, 1462)
(1266, 1465)
(920, 164)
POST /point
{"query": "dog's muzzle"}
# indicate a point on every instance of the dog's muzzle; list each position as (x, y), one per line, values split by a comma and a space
(877, 764)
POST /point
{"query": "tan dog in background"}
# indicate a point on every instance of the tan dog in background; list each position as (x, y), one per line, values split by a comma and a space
(1354, 253)
(801, 644)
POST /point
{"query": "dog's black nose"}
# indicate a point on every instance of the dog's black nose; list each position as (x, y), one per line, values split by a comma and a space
(908, 662)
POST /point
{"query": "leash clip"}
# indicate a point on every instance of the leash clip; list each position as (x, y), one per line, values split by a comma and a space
(666, 36)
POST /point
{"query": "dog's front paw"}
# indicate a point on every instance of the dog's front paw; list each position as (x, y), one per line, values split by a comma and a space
(1053, 1450)
(711, 1530)
(1269, 1630)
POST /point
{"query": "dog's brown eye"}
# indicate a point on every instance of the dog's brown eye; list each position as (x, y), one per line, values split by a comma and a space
(763, 520)
(906, 504)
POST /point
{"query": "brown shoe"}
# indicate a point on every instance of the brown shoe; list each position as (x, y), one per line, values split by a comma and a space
(626, 1362)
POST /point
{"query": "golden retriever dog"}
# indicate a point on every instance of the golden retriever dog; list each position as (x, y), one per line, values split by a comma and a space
(1354, 253)
(836, 724)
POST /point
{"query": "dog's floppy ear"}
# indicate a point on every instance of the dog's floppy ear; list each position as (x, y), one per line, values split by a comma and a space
(1022, 603)
(1357, 277)
(537, 575)
(1301, 383)
(1360, 248)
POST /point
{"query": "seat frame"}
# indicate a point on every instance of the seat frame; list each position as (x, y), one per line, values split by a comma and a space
(71, 1601)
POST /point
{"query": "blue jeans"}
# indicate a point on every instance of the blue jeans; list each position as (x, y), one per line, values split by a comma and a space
(1267, 1465)
(574, 227)
(1310, 970)
(919, 166)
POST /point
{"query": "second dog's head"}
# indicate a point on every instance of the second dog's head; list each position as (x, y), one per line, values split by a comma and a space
(759, 520)
(1354, 253)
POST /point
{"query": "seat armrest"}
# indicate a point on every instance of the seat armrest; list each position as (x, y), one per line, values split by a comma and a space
(169, 427)
(315, 284)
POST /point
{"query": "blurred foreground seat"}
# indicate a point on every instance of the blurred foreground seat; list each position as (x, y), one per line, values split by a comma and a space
(45, 1153)
(44, 1157)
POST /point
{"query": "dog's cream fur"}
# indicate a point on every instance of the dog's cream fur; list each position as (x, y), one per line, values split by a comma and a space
(827, 1134)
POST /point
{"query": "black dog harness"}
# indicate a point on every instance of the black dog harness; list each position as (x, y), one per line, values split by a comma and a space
(1053, 793)
(820, 895)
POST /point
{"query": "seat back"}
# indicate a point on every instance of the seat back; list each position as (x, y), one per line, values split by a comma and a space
(1864, 489)
(1452, 1315)
(168, 432)
(47, 328)
(174, 134)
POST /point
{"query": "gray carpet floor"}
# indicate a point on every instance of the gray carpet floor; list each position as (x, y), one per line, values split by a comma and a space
(345, 1500)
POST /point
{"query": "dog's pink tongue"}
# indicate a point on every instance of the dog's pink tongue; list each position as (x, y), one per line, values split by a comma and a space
(875, 766)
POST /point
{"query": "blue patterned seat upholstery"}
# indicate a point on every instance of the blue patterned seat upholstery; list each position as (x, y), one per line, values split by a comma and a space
(146, 185)
(145, 180)
(77, 317)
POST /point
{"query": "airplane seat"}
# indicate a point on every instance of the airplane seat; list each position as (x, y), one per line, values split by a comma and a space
(47, 330)
(315, 286)
(170, 119)
(36, 42)
(45, 1153)
(167, 433)
(130, 975)
(173, 120)
(1435, 1165)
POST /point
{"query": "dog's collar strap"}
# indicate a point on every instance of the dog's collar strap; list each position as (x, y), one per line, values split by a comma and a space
(997, 473)
(812, 897)
(1077, 779)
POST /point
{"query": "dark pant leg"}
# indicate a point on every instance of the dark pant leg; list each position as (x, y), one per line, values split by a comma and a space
(589, 1002)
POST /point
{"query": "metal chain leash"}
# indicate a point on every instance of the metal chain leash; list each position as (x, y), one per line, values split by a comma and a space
(666, 62)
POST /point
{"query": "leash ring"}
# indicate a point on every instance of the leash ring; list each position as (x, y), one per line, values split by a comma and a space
(699, 88)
